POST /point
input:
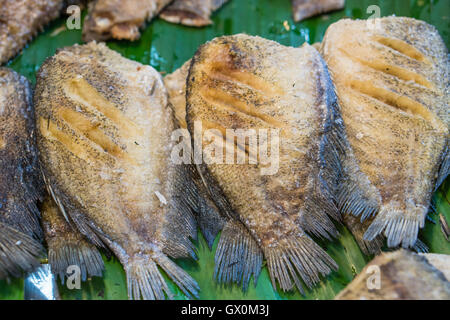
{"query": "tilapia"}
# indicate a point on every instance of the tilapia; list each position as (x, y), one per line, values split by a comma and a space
(119, 19)
(194, 13)
(21, 20)
(208, 216)
(104, 132)
(391, 78)
(249, 83)
(304, 9)
(399, 275)
(20, 181)
(66, 246)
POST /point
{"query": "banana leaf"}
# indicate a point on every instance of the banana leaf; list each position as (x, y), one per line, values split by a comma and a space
(166, 47)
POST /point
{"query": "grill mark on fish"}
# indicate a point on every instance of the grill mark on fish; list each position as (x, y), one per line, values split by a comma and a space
(80, 91)
(93, 133)
(224, 100)
(398, 72)
(402, 47)
(394, 100)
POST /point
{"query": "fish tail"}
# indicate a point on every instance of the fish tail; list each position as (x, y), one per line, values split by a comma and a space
(81, 254)
(144, 279)
(296, 256)
(398, 227)
(19, 252)
(238, 256)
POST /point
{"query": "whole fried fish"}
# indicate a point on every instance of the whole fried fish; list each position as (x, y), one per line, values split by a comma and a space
(119, 19)
(391, 77)
(21, 20)
(105, 139)
(249, 83)
(304, 9)
(194, 13)
(20, 182)
(66, 246)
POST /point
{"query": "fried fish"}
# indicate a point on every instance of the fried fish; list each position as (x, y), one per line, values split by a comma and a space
(66, 246)
(105, 141)
(391, 78)
(20, 184)
(304, 9)
(194, 13)
(119, 19)
(249, 83)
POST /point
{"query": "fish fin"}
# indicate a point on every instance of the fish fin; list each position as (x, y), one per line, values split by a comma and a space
(398, 227)
(19, 253)
(81, 254)
(144, 279)
(295, 256)
(420, 247)
(358, 228)
(180, 225)
(444, 169)
(238, 256)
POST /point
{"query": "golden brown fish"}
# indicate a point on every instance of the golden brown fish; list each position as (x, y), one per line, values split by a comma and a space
(66, 246)
(399, 275)
(119, 19)
(20, 182)
(304, 9)
(391, 78)
(249, 83)
(105, 141)
(194, 13)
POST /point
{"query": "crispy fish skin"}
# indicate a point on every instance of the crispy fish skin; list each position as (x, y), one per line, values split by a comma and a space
(392, 84)
(67, 246)
(21, 185)
(244, 82)
(105, 141)
(194, 13)
(304, 9)
(403, 276)
(119, 19)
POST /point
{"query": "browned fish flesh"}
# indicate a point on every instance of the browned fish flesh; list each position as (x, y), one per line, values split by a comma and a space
(105, 141)
(245, 82)
(399, 275)
(391, 78)
(119, 19)
(193, 13)
(67, 246)
(20, 184)
(304, 9)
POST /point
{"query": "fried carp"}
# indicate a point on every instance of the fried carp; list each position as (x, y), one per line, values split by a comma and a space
(391, 78)
(104, 133)
(194, 13)
(248, 83)
(304, 9)
(119, 19)
(67, 246)
(21, 186)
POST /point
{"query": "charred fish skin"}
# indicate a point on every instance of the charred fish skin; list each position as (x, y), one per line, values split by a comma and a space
(304, 9)
(235, 82)
(395, 109)
(21, 184)
(66, 246)
(194, 13)
(119, 19)
(105, 151)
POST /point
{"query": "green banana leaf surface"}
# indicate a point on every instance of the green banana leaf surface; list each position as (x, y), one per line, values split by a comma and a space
(166, 47)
